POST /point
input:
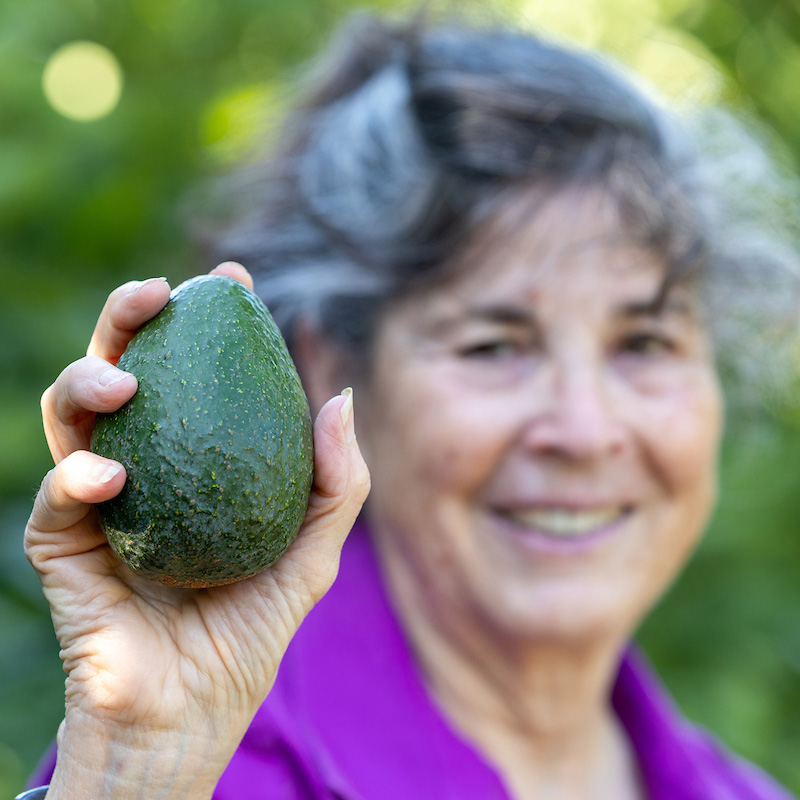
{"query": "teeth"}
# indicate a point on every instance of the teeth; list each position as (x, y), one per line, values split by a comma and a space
(566, 522)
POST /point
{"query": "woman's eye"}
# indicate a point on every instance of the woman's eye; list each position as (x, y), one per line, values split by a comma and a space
(647, 344)
(494, 348)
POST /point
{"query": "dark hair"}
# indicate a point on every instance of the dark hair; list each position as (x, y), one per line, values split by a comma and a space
(410, 137)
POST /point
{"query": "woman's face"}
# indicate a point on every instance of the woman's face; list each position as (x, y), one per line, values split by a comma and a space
(542, 441)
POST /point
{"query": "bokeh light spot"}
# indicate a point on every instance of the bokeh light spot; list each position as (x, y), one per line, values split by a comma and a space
(82, 81)
(575, 22)
(240, 123)
(680, 67)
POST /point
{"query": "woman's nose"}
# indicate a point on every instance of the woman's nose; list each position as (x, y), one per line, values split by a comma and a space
(577, 415)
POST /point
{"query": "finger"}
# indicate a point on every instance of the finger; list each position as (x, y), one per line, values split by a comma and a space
(64, 500)
(336, 450)
(126, 310)
(233, 269)
(341, 479)
(69, 406)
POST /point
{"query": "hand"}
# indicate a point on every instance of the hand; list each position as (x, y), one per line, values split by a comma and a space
(150, 667)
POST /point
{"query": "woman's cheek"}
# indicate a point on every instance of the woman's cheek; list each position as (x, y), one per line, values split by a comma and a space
(463, 441)
(684, 426)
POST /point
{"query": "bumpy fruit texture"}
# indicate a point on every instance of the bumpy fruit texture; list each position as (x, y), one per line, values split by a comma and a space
(217, 441)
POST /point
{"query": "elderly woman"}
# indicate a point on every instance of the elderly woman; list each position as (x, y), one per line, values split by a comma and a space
(499, 244)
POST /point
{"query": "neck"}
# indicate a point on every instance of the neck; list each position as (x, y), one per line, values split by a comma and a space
(540, 712)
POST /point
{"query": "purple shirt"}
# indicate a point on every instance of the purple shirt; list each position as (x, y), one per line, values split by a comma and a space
(350, 719)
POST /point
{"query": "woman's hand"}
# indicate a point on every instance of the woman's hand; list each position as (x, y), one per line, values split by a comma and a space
(162, 682)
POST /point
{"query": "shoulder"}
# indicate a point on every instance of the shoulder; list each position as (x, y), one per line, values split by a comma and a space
(728, 775)
(679, 760)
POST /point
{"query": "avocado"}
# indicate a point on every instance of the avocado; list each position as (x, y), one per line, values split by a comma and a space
(217, 441)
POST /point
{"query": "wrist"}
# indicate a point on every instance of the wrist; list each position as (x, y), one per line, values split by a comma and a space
(100, 758)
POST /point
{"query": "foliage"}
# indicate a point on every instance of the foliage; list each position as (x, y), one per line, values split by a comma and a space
(85, 206)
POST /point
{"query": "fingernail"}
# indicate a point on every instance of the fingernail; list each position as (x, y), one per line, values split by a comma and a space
(149, 281)
(112, 375)
(103, 473)
(346, 413)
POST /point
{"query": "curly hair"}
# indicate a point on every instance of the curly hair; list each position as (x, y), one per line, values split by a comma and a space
(412, 136)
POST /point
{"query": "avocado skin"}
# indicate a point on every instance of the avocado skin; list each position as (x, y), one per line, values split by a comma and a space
(217, 441)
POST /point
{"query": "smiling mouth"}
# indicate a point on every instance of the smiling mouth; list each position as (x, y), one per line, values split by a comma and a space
(566, 523)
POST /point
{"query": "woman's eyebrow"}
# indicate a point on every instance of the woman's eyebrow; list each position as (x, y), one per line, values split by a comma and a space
(656, 307)
(500, 314)
(511, 314)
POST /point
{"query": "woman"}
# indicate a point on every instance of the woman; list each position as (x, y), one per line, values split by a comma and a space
(501, 246)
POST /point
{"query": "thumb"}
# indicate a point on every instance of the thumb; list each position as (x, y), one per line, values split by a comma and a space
(341, 479)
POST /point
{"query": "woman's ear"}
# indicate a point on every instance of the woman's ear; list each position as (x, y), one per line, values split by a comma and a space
(320, 364)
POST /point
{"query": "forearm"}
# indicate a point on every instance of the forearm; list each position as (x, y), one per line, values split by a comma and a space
(104, 760)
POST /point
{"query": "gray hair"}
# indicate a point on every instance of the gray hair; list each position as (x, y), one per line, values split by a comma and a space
(749, 202)
(409, 138)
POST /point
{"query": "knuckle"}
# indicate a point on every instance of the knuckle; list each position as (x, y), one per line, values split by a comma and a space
(120, 302)
(73, 389)
(30, 546)
(41, 508)
(46, 401)
(128, 308)
(28, 541)
(322, 579)
(362, 480)
(44, 498)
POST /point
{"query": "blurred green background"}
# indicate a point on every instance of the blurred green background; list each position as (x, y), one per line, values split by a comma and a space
(114, 117)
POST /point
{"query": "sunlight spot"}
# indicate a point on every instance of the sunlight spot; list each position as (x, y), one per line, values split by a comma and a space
(82, 81)
(682, 69)
(240, 122)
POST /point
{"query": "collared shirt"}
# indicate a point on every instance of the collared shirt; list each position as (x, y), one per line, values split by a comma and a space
(349, 718)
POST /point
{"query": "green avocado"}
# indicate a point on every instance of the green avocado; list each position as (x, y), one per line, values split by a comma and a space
(216, 442)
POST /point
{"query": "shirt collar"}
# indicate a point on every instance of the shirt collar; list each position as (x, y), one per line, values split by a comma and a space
(349, 692)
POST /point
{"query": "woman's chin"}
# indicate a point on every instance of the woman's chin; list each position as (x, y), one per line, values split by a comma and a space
(570, 588)
(568, 616)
